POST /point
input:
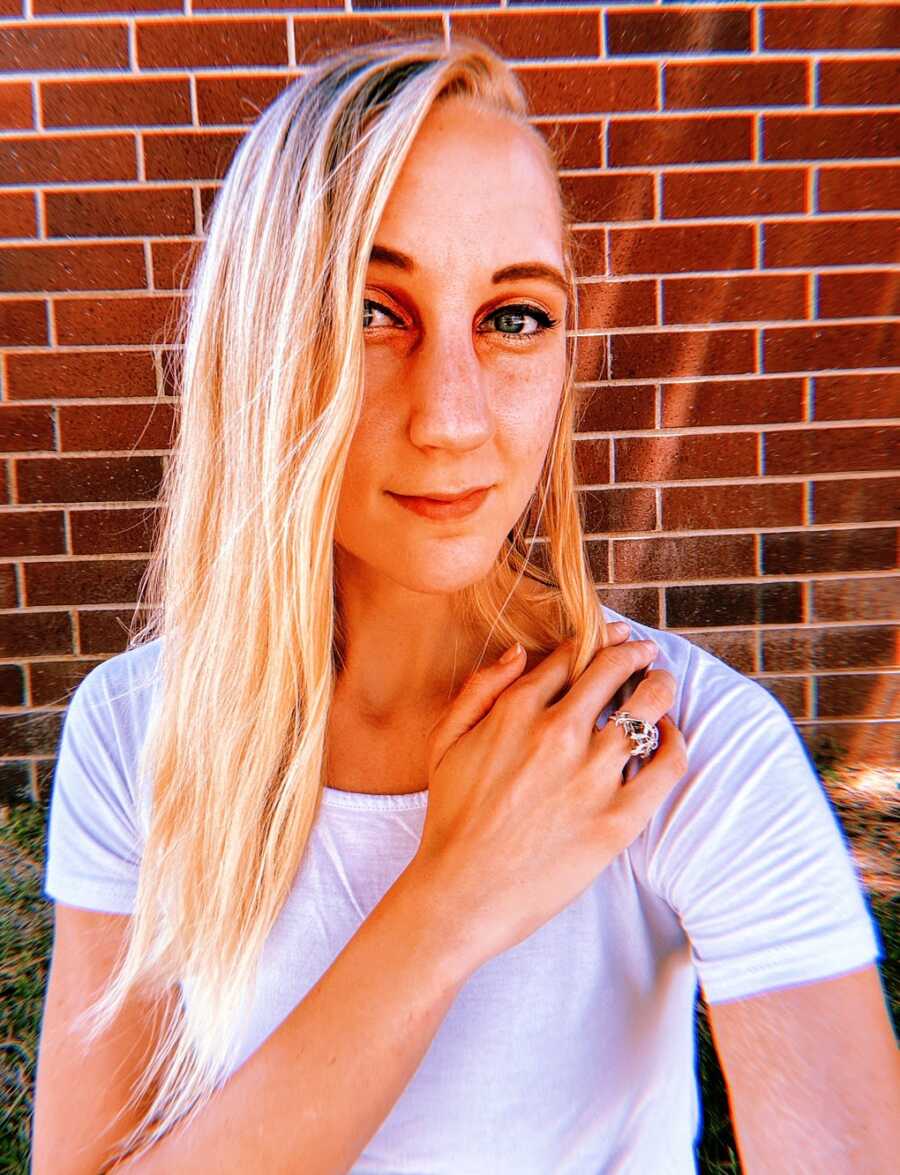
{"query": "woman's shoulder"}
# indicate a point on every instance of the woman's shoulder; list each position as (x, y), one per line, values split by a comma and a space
(123, 675)
(111, 703)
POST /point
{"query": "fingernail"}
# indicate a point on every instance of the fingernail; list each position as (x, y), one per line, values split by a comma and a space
(620, 628)
(510, 654)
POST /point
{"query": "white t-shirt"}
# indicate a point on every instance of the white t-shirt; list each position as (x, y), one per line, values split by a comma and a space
(574, 1051)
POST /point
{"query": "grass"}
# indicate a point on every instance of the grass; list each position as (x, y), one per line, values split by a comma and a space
(864, 801)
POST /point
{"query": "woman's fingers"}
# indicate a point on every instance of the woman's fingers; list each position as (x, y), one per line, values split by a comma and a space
(633, 806)
(650, 701)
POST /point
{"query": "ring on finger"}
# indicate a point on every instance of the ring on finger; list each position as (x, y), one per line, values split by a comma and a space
(644, 736)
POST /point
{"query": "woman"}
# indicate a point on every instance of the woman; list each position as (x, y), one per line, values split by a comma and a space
(417, 919)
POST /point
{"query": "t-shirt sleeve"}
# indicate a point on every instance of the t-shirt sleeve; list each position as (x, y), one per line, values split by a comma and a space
(93, 852)
(748, 850)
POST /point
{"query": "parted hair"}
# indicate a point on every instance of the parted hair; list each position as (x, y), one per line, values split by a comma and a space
(240, 584)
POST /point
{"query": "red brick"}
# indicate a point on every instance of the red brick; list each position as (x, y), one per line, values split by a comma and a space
(761, 504)
(830, 242)
(856, 599)
(85, 321)
(865, 499)
(36, 634)
(28, 49)
(830, 136)
(857, 396)
(23, 323)
(830, 450)
(88, 479)
(129, 212)
(592, 462)
(67, 158)
(746, 401)
(173, 263)
(574, 144)
(598, 559)
(618, 510)
(104, 631)
(820, 347)
(314, 36)
(577, 88)
(70, 7)
(872, 293)
(145, 101)
(799, 552)
(676, 248)
(693, 557)
(526, 34)
(9, 594)
(852, 695)
(25, 427)
(829, 26)
(189, 156)
(83, 581)
(858, 83)
(73, 267)
(18, 216)
(52, 682)
(32, 532)
(736, 83)
(59, 374)
(672, 354)
(722, 605)
(760, 192)
(101, 427)
(700, 30)
(592, 362)
(791, 692)
(639, 604)
(606, 304)
(16, 113)
(867, 647)
(737, 649)
(108, 531)
(600, 198)
(638, 142)
(12, 685)
(617, 409)
(239, 97)
(859, 189)
(734, 299)
(685, 457)
(197, 43)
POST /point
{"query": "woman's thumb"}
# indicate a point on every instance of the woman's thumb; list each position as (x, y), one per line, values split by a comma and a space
(475, 698)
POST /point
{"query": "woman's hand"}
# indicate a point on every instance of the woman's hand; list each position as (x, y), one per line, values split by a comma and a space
(526, 801)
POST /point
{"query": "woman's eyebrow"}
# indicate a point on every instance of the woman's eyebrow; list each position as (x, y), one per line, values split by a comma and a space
(516, 272)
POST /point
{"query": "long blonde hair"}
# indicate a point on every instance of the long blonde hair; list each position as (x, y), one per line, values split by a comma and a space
(240, 584)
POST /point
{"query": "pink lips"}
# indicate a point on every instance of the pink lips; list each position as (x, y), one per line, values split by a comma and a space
(432, 508)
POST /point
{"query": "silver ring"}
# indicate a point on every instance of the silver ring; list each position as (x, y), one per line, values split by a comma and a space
(644, 735)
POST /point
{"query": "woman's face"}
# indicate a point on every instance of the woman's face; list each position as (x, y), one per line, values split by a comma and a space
(463, 373)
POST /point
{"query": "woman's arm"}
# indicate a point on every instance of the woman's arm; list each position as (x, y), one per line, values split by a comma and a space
(320, 1085)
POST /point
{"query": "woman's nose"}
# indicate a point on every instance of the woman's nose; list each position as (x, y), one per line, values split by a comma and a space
(450, 394)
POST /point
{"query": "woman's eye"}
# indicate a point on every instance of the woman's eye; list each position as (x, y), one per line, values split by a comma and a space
(513, 315)
(367, 302)
(509, 319)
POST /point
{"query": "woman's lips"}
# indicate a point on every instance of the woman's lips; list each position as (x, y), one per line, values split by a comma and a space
(432, 508)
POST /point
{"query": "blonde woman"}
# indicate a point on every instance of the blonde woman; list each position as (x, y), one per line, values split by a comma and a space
(341, 888)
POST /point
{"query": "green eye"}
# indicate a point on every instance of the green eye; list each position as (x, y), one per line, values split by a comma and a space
(520, 311)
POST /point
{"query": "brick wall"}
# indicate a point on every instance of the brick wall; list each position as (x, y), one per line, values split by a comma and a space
(734, 171)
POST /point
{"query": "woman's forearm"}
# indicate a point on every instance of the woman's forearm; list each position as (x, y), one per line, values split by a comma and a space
(320, 1085)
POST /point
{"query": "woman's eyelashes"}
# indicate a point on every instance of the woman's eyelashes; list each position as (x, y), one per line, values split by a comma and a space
(510, 314)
